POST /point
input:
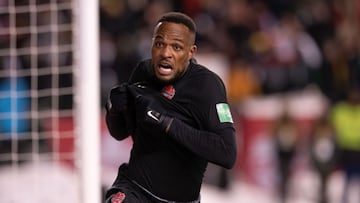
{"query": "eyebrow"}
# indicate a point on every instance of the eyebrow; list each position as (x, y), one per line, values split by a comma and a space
(175, 39)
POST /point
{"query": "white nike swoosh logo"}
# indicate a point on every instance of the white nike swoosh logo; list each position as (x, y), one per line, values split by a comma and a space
(149, 113)
(141, 86)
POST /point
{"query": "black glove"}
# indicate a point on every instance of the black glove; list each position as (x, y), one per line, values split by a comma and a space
(149, 113)
(120, 105)
(118, 99)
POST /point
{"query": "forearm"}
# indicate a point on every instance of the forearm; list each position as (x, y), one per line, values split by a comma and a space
(214, 147)
(117, 126)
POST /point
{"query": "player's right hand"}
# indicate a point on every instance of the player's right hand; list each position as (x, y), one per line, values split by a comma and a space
(118, 99)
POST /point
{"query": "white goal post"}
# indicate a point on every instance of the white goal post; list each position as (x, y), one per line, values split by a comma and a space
(88, 121)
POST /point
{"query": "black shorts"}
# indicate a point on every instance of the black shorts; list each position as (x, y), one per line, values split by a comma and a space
(125, 190)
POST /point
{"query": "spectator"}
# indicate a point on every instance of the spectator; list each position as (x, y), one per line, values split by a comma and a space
(346, 120)
(323, 153)
(286, 137)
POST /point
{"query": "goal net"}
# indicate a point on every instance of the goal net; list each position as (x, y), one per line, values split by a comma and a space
(44, 156)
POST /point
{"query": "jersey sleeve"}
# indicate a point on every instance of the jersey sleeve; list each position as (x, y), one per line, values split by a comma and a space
(116, 125)
(215, 140)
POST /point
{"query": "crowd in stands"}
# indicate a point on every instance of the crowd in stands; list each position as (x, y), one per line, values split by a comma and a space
(270, 46)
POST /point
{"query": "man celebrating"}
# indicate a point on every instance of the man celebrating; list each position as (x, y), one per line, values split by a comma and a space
(177, 114)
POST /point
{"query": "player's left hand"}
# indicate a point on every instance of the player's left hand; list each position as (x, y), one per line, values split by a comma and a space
(150, 113)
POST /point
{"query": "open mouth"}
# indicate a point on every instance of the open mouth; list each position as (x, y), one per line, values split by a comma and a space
(164, 69)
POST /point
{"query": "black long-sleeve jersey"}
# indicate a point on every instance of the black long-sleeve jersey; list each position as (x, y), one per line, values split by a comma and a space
(172, 165)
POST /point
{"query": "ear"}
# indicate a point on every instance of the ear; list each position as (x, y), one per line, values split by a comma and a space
(192, 51)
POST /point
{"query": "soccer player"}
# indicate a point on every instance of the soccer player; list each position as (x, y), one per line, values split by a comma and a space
(177, 114)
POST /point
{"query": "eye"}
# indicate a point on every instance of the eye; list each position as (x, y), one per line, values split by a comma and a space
(177, 48)
(159, 44)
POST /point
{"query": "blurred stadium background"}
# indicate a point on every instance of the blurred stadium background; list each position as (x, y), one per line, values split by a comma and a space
(286, 65)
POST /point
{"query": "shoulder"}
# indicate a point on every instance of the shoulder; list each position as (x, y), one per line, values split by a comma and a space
(202, 85)
(204, 77)
(141, 72)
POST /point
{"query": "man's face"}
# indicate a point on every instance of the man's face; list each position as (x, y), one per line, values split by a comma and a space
(172, 48)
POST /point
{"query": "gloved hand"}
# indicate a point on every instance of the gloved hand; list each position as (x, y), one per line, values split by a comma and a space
(118, 100)
(149, 113)
(120, 105)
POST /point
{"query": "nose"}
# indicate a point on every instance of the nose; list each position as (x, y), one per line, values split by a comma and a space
(166, 52)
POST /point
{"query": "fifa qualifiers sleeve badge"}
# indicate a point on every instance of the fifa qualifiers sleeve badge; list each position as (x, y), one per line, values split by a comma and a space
(224, 113)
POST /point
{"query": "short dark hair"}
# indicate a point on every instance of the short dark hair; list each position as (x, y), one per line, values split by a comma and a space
(177, 17)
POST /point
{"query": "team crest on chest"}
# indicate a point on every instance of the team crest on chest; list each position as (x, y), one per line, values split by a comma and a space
(118, 198)
(168, 91)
